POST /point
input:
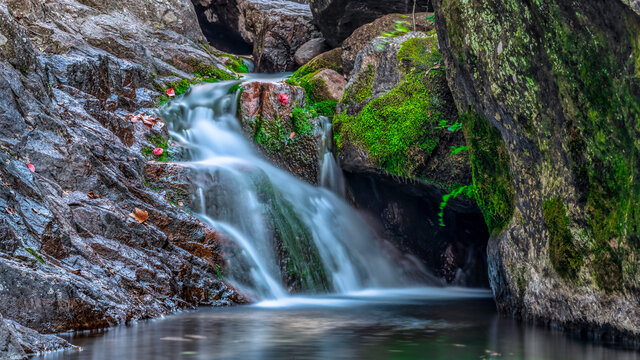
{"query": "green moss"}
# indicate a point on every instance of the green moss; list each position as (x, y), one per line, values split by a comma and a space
(235, 64)
(565, 257)
(157, 141)
(493, 185)
(361, 89)
(399, 127)
(329, 60)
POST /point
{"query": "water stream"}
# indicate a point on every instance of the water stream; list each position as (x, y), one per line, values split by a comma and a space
(349, 311)
(329, 247)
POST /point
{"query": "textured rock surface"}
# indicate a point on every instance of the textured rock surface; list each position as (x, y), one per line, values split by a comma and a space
(393, 104)
(71, 257)
(363, 36)
(291, 143)
(275, 29)
(552, 123)
(337, 19)
(309, 50)
(332, 85)
(10, 348)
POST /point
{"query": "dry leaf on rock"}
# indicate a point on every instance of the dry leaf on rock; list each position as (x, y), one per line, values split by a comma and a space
(140, 215)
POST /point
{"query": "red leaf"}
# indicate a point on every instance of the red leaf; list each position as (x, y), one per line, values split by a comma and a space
(158, 151)
(283, 99)
(31, 167)
(171, 92)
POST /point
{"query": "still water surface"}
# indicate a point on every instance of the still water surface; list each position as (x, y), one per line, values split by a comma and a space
(428, 323)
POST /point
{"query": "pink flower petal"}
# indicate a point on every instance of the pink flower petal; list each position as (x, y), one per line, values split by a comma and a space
(171, 92)
(31, 167)
(158, 151)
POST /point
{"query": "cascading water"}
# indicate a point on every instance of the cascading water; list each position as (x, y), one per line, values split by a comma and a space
(267, 212)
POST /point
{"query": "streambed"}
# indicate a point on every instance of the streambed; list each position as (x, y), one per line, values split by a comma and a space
(428, 323)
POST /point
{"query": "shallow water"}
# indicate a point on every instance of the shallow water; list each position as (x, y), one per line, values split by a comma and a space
(430, 323)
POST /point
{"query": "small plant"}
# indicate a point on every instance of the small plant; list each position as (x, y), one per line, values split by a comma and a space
(35, 254)
(219, 272)
(458, 149)
(466, 190)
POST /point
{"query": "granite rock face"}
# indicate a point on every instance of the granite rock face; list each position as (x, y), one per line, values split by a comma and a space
(73, 169)
(338, 19)
(552, 126)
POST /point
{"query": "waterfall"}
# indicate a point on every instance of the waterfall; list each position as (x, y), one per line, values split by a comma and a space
(284, 231)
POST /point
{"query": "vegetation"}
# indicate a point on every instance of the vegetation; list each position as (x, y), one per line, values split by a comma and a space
(158, 141)
(564, 255)
(401, 124)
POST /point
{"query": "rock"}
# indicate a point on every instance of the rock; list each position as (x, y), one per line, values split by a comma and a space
(71, 257)
(363, 36)
(310, 50)
(275, 29)
(285, 133)
(330, 86)
(386, 103)
(10, 348)
(635, 5)
(390, 123)
(554, 151)
(33, 342)
(337, 19)
(163, 35)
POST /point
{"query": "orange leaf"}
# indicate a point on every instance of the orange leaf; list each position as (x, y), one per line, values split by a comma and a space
(140, 215)
(292, 136)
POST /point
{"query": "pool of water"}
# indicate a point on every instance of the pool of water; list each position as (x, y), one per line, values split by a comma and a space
(427, 323)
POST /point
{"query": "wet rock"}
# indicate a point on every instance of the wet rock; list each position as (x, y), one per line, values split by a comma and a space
(275, 29)
(550, 135)
(35, 343)
(337, 19)
(10, 348)
(330, 85)
(309, 50)
(71, 256)
(292, 142)
(363, 36)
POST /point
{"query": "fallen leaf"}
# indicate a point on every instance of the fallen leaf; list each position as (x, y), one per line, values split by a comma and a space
(180, 203)
(144, 118)
(171, 92)
(10, 210)
(67, 191)
(36, 211)
(93, 195)
(293, 135)
(31, 167)
(158, 151)
(283, 99)
(140, 215)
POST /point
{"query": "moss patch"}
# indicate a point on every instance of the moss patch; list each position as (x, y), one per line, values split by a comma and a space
(565, 257)
(398, 129)
(330, 60)
(158, 141)
(492, 181)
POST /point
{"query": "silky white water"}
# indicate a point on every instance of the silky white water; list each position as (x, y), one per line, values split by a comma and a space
(240, 193)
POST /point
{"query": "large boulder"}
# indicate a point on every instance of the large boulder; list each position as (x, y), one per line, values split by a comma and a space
(10, 348)
(275, 30)
(552, 126)
(337, 19)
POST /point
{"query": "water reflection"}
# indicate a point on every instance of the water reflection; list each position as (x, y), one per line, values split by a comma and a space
(408, 324)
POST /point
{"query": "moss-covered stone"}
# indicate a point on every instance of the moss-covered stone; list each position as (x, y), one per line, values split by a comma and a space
(329, 60)
(560, 82)
(399, 130)
(565, 257)
(492, 182)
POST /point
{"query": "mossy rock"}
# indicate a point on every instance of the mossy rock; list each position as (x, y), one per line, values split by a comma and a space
(398, 129)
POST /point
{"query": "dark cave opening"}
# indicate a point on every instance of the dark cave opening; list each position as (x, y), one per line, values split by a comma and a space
(407, 212)
(220, 28)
